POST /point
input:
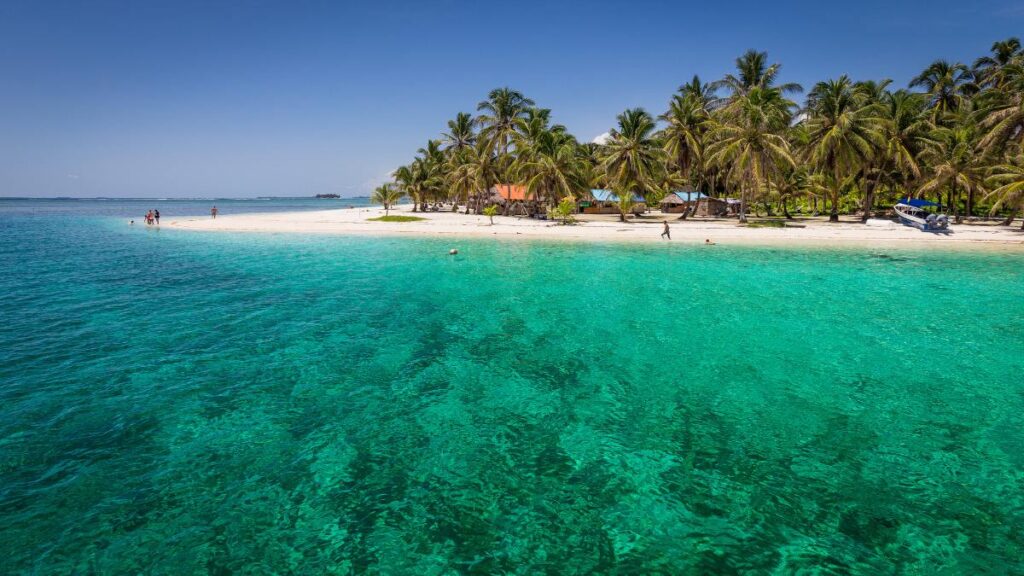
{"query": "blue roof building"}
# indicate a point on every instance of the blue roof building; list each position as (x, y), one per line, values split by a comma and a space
(609, 196)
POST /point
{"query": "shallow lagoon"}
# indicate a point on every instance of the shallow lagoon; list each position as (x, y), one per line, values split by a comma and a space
(177, 402)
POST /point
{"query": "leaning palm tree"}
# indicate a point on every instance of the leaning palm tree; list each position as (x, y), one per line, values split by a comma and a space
(842, 134)
(749, 144)
(1007, 182)
(954, 166)
(947, 84)
(387, 195)
(433, 167)
(407, 181)
(633, 159)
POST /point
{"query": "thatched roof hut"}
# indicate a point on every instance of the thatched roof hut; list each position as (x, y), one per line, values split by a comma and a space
(489, 197)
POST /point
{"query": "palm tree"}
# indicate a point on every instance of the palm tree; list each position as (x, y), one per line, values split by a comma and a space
(500, 117)
(987, 69)
(704, 95)
(550, 167)
(1003, 109)
(407, 180)
(796, 181)
(842, 134)
(753, 71)
(461, 181)
(460, 134)
(412, 180)
(433, 166)
(954, 165)
(684, 138)
(633, 160)
(474, 172)
(625, 203)
(1007, 181)
(903, 122)
(748, 143)
(388, 195)
(947, 86)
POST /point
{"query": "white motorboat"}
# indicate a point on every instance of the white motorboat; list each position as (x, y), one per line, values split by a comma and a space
(911, 212)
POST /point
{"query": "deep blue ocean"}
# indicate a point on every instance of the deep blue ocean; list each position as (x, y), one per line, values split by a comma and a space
(177, 402)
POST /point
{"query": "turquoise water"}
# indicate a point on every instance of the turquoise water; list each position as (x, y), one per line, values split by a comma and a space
(186, 403)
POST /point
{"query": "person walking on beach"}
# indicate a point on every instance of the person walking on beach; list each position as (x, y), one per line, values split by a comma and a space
(665, 233)
(213, 212)
(156, 216)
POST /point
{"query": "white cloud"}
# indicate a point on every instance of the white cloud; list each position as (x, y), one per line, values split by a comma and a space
(602, 138)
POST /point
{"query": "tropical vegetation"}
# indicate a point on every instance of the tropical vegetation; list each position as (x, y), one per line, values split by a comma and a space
(387, 195)
(955, 135)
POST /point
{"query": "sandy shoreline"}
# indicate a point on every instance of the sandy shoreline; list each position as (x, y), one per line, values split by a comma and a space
(606, 228)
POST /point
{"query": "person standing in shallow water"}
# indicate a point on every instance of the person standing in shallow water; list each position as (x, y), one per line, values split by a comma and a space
(156, 216)
(213, 212)
(666, 233)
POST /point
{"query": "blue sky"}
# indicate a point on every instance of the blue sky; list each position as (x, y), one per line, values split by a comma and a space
(242, 99)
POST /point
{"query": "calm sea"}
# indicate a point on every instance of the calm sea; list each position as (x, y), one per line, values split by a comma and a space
(191, 403)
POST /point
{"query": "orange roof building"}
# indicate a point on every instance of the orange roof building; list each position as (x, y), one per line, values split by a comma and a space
(511, 191)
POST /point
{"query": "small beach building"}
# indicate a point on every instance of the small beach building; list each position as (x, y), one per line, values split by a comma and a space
(511, 192)
(681, 200)
(734, 206)
(708, 206)
(607, 202)
(518, 199)
(512, 198)
(672, 203)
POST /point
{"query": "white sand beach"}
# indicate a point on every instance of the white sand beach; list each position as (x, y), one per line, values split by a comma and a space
(604, 228)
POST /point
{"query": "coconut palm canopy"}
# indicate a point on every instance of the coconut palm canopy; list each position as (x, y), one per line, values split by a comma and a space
(848, 146)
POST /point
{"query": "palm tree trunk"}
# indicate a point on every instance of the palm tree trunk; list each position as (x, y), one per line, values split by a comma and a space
(785, 210)
(1009, 219)
(954, 201)
(743, 204)
(869, 198)
(833, 215)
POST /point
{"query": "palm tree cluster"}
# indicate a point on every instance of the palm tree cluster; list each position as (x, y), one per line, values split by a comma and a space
(954, 135)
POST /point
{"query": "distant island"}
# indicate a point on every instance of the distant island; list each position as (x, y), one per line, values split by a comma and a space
(328, 196)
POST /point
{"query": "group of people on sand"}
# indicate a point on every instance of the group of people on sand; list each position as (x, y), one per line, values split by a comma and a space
(152, 217)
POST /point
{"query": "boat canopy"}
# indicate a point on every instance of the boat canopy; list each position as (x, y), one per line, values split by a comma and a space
(917, 202)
